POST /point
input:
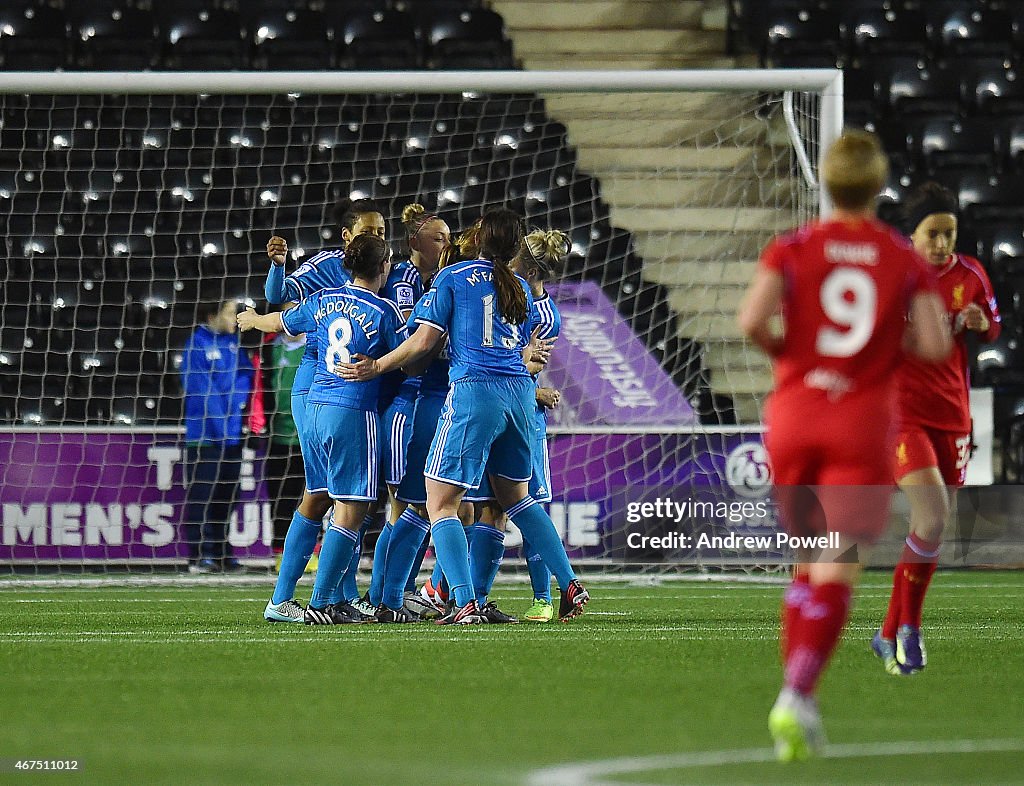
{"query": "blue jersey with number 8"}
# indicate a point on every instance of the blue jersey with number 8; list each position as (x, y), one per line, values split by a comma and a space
(464, 302)
(346, 321)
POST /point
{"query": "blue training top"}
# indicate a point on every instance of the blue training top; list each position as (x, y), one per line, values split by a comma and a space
(464, 302)
(217, 377)
(404, 288)
(347, 320)
(546, 315)
(324, 270)
(434, 380)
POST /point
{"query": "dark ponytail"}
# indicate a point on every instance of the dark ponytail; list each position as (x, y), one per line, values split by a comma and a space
(501, 234)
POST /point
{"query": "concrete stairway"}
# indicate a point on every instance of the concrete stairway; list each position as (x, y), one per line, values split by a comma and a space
(692, 198)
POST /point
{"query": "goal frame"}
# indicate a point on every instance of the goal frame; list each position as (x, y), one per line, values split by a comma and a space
(827, 82)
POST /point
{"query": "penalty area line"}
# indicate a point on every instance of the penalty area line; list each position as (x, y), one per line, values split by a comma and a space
(597, 773)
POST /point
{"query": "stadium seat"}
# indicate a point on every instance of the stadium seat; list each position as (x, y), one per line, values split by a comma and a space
(950, 142)
(208, 40)
(793, 31)
(34, 37)
(1011, 140)
(875, 30)
(381, 40)
(114, 38)
(337, 12)
(467, 38)
(983, 195)
(997, 92)
(966, 29)
(1001, 247)
(911, 89)
(290, 40)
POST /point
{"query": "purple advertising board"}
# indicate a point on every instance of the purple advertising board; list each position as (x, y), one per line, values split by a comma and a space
(110, 496)
(594, 477)
(605, 373)
(116, 496)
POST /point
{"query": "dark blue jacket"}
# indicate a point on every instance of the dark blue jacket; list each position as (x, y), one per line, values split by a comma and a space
(217, 376)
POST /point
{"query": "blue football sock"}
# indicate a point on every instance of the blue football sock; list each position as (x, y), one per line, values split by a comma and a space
(409, 532)
(414, 571)
(540, 576)
(380, 557)
(539, 530)
(348, 589)
(453, 552)
(335, 553)
(298, 548)
(486, 548)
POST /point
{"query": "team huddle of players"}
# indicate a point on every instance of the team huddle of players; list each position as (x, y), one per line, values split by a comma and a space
(429, 367)
(417, 395)
(873, 344)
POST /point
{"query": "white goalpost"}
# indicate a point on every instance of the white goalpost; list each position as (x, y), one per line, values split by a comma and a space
(128, 198)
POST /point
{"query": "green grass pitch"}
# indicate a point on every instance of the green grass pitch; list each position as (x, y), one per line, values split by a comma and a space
(187, 684)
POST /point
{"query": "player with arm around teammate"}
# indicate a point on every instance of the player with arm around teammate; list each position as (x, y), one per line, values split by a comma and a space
(324, 270)
(541, 257)
(342, 428)
(487, 423)
(844, 287)
(935, 421)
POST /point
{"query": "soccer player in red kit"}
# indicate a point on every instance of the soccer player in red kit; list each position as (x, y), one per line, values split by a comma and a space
(844, 287)
(935, 421)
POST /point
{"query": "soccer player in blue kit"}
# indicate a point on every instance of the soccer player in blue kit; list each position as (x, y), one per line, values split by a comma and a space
(342, 428)
(428, 235)
(487, 423)
(324, 270)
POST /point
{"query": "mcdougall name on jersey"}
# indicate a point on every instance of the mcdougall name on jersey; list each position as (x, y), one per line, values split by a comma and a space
(350, 309)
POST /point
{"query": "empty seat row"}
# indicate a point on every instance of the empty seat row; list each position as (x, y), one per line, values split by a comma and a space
(898, 85)
(935, 142)
(175, 37)
(935, 28)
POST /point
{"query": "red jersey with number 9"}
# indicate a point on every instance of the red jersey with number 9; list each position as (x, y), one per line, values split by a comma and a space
(848, 287)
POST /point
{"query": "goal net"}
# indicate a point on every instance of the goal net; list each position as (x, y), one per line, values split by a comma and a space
(128, 203)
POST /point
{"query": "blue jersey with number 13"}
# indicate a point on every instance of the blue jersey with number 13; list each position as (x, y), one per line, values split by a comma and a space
(346, 321)
(464, 302)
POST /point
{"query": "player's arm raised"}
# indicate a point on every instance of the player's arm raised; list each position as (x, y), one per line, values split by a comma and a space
(761, 303)
(927, 335)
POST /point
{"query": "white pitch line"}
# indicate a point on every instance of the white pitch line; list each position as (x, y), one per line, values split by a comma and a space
(596, 773)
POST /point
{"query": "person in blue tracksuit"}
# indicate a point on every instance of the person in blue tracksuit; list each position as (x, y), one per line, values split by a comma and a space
(217, 377)
(487, 423)
(342, 425)
(324, 270)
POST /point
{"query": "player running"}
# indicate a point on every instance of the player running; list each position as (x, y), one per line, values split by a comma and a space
(935, 422)
(487, 422)
(324, 270)
(844, 287)
(342, 422)
(428, 235)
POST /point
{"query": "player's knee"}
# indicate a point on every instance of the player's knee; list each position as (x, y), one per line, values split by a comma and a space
(315, 506)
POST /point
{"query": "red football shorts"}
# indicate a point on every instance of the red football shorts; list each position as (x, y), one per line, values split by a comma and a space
(831, 474)
(920, 447)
